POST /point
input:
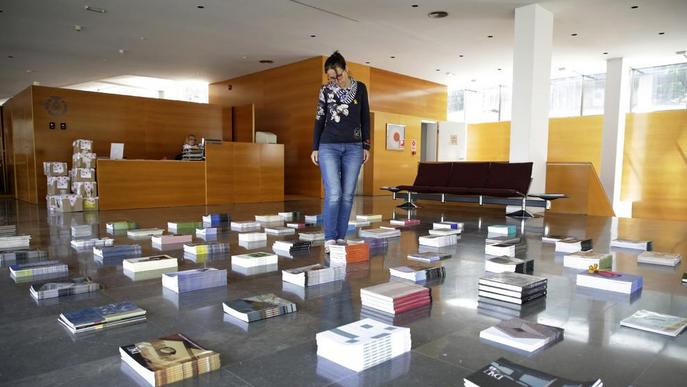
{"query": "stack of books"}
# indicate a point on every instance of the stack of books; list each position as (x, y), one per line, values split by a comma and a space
(82, 230)
(395, 297)
(341, 254)
(515, 288)
(314, 218)
(358, 223)
(418, 273)
(216, 220)
(522, 335)
(196, 279)
(610, 281)
(193, 154)
(313, 275)
(502, 229)
(509, 264)
(369, 218)
(183, 227)
(144, 232)
(493, 239)
(169, 359)
(504, 373)
(582, 260)
(405, 222)
(448, 226)
(311, 236)
(402, 319)
(80, 244)
(363, 344)
(258, 307)
(72, 286)
(268, 218)
(254, 259)
(254, 270)
(573, 245)
(300, 226)
(9, 257)
(291, 248)
(246, 225)
(206, 233)
(14, 242)
(381, 232)
(445, 231)
(8, 230)
(632, 244)
(101, 317)
(155, 262)
(26, 271)
(206, 248)
(289, 216)
(508, 249)
(111, 227)
(660, 323)
(429, 256)
(504, 310)
(657, 258)
(170, 239)
(438, 240)
(279, 231)
(116, 251)
(552, 238)
(252, 236)
(252, 245)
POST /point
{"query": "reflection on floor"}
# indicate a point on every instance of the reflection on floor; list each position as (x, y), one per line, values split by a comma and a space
(281, 351)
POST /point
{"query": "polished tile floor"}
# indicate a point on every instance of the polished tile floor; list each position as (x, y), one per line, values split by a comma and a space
(37, 351)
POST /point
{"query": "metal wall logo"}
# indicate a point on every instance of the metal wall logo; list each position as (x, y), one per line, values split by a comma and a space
(56, 106)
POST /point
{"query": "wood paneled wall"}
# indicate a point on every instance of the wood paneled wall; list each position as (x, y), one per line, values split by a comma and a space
(19, 137)
(396, 93)
(583, 187)
(576, 139)
(489, 141)
(243, 123)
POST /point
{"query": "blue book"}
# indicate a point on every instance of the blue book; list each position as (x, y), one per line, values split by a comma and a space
(610, 281)
(100, 316)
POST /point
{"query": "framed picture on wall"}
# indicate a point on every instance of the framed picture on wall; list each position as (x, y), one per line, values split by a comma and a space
(395, 137)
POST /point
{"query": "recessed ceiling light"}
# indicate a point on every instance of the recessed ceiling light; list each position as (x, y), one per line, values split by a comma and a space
(473, 80)
(437, 14)
(10, 56)
(573, 34)
(200, 6)
(605, 52)
(661, 33)
(634, 7)
(121, 51)
(490, 36)
(78, 28)
(561, 69)
(414, 5)
(313, 36)
(266, 61)
(437, 70)
(460, 56)
(1, 10)
(392, 57)
(367, 62)
(94, 9)
(498, 69)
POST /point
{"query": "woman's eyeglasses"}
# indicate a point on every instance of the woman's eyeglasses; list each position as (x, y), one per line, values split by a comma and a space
(339, 76)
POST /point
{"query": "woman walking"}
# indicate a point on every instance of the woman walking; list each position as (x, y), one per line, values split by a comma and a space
(341, 143)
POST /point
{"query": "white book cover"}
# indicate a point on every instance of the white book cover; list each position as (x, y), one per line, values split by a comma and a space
(663, 324)
(445, 231)
(252, 236)
(448, 225)
(582, 260)
(154, 262)
(522, 335)
(631, 244)
(658, 258)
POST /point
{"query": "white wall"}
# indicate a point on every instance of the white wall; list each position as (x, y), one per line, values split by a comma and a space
(447, 150)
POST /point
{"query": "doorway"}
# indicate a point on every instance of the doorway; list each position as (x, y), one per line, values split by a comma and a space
(429, 138)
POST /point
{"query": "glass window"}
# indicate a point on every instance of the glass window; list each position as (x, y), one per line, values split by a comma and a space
(594, 88)
(659, 88)
(456, 105)
(566, 97)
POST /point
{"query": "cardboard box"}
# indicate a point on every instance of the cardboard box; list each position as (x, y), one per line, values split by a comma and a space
(58, 185)
(83, 160)
(87, 189)
(69, 203)
(82, 146)
(90, 204)
(80, 175)
(55, 168)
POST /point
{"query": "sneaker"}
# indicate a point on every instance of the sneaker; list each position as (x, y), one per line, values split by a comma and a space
(327, 244)
(340, 241)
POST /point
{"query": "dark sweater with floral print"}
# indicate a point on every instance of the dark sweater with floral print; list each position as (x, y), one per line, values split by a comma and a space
(343, 116)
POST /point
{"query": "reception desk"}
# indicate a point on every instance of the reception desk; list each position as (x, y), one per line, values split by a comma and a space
(232, 172)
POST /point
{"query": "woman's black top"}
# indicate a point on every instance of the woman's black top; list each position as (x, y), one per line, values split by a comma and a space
(343, 115)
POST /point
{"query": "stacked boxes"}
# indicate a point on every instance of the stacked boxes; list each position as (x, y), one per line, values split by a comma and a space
(76, 189)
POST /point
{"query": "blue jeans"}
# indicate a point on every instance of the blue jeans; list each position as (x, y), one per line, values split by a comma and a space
(339, 165)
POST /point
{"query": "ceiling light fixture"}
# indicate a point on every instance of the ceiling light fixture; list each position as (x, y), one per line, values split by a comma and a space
(367, 62)
(94, 9)
(121, 51)
(460, 55)
(313, 36)
(414, 5)
(683, 53)
(200, 6)
(392, 57)
(605, 53)
(490, 36)
(437, 70)
(437, 14)
(573, 34)
(498, 69)
(10, 56)
(634, 7)
(473, 80)
(266, 61)
(661, 33)
(78, 28)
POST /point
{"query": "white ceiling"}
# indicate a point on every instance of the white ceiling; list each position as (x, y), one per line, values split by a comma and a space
(174, 39)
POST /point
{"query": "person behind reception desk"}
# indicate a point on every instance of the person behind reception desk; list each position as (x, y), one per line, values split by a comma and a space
(190, 143)
(341, 143)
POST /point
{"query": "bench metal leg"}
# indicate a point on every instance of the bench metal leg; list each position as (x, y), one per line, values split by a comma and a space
(523, 213)
(409, 205)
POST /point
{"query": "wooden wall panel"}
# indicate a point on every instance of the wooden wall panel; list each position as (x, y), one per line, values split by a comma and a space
(488, 141)
(227, 124)
(18, 126)
(583, 187)
(150, 183)
(272, 172)
(396, 93)
(219, 172)
(655, 164)
(243, 123)
(576, 139)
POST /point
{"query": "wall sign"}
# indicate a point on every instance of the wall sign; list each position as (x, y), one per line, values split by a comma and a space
(56, 106)
(395, 137)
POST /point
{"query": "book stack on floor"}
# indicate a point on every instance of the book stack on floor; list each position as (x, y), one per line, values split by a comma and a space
(15, 242)
(170, 239)
(259, 307)
(269, 219)
(369, 218)
(206, 248)
(632, 244)
(169, 359)
(505, 310)
(446, 228)
(23, 256)
(311, 236)
(660, 323)
(502, 229)
(196, 279)
(289, 216)
(8, 230)
(418, 273)
(216, 220)
(509, 264)
(379, 233)
(522, 335)
(77, 285)
(582, 260)
(123, 225)
(300, 226)
(279, 231)
(254, 259)
(358, 223)
(83, 230)
(658, 258)
(363, 344)
(552, 238)
(610, 281)
(342, 254)
(27, 271)
(245, 225)
(254, 270)
(252, 237)
(395, 297)
(102, 317)
(206, 233)
(438, 240)
(504, 373)
(402, 319)
(573, 245)
(183, 227)
(429, 256)
(405, 222)
(80, 244)
(316, 219)
(291, 248)
(515, 288)
(493, 239)
(313, 275)
(508, 249)
(113, 254)
(144, 232)
(152, 263)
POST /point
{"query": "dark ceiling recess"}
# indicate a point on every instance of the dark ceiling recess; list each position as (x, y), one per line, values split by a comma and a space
(266, 61)
(437, 14)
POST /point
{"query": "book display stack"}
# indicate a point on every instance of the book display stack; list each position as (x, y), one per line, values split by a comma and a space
(573, 245)
(24, 256)
(632, 244)
(144, 232)
(15, 242)
(196, 279)
(313, 275)
(349, 253)
(216, 220)
(369, 218)
(83, 176)
(206, 248)
(8, 230)
(496, 239)
(610, 281)
(171, 239)
(290, 216)
(27, 271)
(245, 225)
(252, 237)
(522, 335)
(358, 223)
(279, 231)
(311, 236)
(254, 259)
(183, 227)
(660, 323)
(438, 240)
(657, 258)
(83, 230)
(207, 233)
(515, 288)
(81, 244)
(169, 359)
(78, 285)
(102, 317)
(582, 260)
(504, 373)
(363, 344)
(552, 238)
(502, 229)
(505, 310)
(291, 248)
(508, 249)
(300, 226)
(155, 262)
(429, 256)
(269, 219)
(254, 270)
(446, 228)
(405, 222)
(379, 233)
(114, 254)
(259, 307)
(418, 273)
(123, 225)
(315, 219)
(395, 297)
(505, 264)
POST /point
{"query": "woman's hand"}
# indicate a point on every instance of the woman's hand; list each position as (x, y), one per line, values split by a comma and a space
(366, 155)
(315, 157)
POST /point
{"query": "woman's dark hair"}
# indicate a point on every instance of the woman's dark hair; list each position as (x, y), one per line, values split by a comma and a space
(335, 60)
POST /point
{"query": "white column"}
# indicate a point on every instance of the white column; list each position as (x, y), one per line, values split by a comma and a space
(616, 104)
(529, 131)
